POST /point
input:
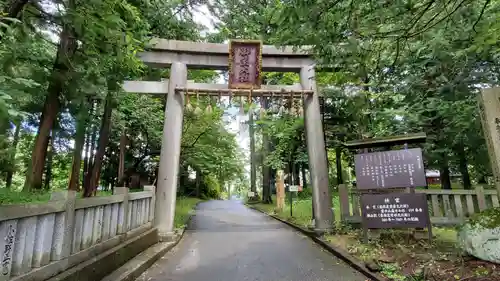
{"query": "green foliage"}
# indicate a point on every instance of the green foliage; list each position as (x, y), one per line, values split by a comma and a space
(306, 193)
(110, 34)
(392, 271)
(9, 197)
(489, 218)
(213, 187)
(184, 207)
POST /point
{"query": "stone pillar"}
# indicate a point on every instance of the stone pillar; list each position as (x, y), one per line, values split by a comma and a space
(170, 152)
(489, 111)
(123, 221)
(322, 200)
(64, 225)
(152, 189)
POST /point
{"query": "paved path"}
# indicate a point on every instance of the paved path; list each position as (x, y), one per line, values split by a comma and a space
(226, 241)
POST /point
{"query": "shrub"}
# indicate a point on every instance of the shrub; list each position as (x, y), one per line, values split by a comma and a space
(213, 187)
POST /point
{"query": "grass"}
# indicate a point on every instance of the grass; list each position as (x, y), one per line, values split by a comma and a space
(302, 210)
(183, 209)
(9, 196)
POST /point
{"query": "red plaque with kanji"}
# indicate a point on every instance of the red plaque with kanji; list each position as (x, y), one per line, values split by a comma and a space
(245, 64)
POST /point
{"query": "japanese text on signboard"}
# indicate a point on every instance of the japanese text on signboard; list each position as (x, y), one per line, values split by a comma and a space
(245, 64)
(395, 210)
(390, 169)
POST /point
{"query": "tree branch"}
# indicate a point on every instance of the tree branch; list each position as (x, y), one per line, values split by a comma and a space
(481, 14)
(437, 22)
(418, 17)
(196, 140)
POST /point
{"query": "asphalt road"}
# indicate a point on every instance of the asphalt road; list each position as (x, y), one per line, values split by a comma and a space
(227, 241)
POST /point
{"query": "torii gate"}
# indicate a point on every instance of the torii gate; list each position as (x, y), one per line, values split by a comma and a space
(179, 55)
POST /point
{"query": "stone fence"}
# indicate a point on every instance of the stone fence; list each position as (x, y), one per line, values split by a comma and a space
(38, 241)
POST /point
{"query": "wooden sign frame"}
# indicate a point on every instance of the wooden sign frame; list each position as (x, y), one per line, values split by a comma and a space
(257, 80)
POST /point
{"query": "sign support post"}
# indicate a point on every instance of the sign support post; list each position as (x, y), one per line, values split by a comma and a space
(291, 190)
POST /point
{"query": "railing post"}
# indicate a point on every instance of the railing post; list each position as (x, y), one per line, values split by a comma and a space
(152, 189)
(8, 238)
(344, 202)
(123, 220)
(481, 199)
(64, 225)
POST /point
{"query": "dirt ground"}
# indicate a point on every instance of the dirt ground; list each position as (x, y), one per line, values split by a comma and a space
(409, 256)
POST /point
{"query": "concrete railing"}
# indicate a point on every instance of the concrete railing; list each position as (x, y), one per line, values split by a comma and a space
(38, 241)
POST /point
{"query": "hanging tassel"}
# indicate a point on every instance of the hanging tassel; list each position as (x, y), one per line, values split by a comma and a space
(293, 110)
(301, 105)
(242, 110)
(198, 110)
(270, 104)
(230, 98)
(262, 109)
(208, 109)
(189, 107)
(282, 109)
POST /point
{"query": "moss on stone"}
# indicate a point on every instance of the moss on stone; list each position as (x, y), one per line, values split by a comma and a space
(488, 219)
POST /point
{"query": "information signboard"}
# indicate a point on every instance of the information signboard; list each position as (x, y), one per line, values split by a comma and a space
(293, 188)
(390, 169)
(251, 194)
(395, 210)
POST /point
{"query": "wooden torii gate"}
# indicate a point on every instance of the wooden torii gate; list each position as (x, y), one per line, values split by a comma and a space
(179, 55)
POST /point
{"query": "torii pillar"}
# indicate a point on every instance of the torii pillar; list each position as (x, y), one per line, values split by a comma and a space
(170, 152)
(322, 200)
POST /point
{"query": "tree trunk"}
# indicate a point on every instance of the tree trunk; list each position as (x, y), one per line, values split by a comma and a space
(50, 156)
(101, 147)
(253, 168)
(74, 178)
(445, 175)
(93, 139)
(296, 172)
(60, 72)
(91, 154)
(88, 132)
(121, 160)
(183, 180)
(288, 172)
(15, 141)
(12, 10)
(482, 179)
(462, 164)
(266, 169)
(338, 162)
(198, 184)
(303, 171)
(322, 113)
